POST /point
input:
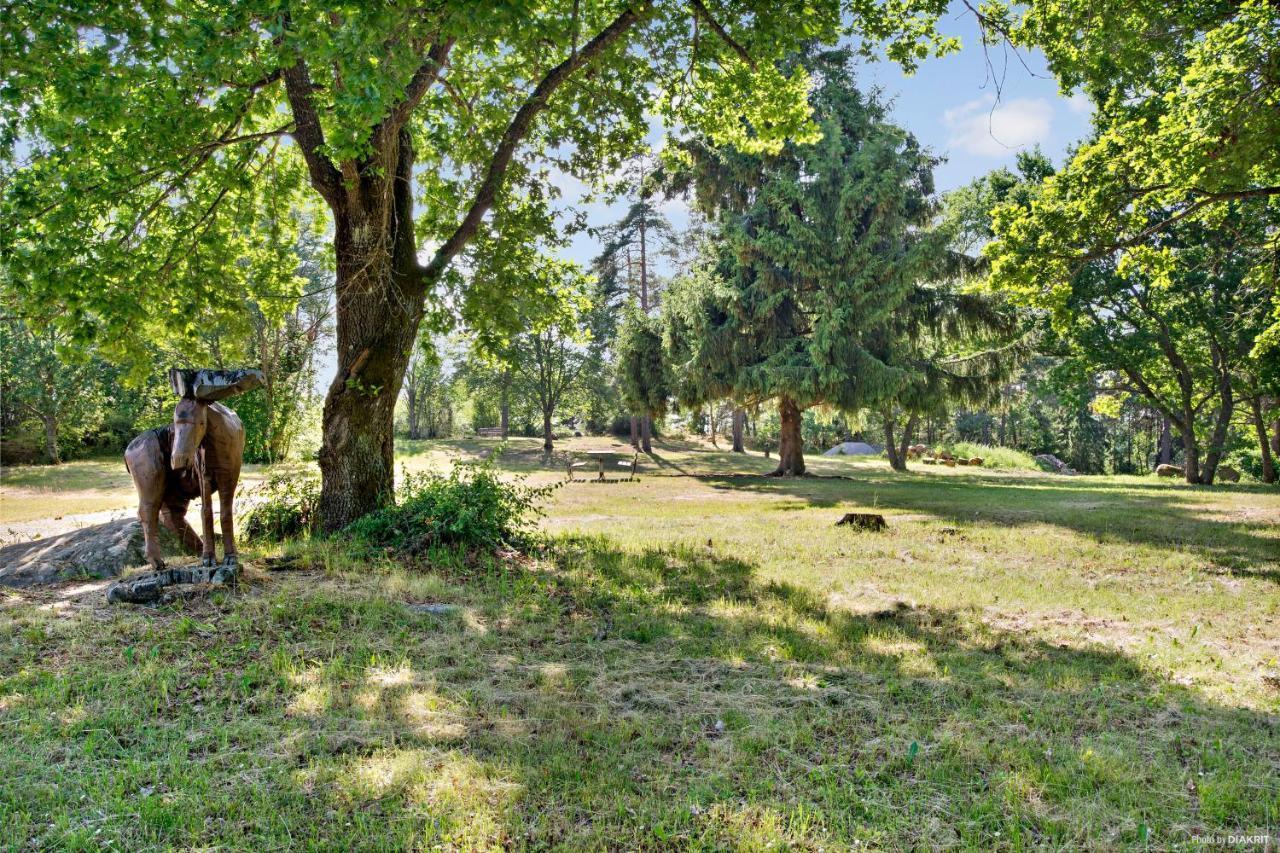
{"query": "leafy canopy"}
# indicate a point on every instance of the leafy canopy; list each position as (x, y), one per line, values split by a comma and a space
(1187, 118)
(145, 146)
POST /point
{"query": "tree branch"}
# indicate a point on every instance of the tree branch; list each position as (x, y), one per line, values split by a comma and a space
(308, 133)
(516, 132)
(1206, 199)
(423, 79)
(700, 11)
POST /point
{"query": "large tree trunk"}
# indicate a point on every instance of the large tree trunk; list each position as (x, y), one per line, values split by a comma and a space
(635, 432)
(908, 431)
(739, 419)
(1260, 426)
(896, 462)
(548, 434)
(379, 305)
(790, 441)
(51, 439)
(1190, 453)
(1166, 443)
(646, 434)
(411, 403)
(1218, 441)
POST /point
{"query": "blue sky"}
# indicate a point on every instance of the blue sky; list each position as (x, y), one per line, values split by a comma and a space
(977, 117)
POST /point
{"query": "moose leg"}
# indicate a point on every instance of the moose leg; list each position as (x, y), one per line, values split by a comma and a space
(207, 555)
(148, 514)
(174, 516)
(226, 511)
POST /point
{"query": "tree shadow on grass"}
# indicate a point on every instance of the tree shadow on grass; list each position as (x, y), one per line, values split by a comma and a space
(630, 700)
(1145, 514)
(672, 697)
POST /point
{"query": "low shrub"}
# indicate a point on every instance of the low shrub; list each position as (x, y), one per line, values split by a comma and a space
(283, 507)
(994, 457)
(471, 507)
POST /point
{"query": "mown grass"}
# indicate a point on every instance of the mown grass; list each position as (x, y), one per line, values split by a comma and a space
(696, 660)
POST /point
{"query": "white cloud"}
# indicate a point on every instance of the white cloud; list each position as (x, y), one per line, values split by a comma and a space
(991, 129)
(1080, 104)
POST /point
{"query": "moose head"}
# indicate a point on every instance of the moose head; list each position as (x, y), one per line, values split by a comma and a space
(190, 422)
(198, 389)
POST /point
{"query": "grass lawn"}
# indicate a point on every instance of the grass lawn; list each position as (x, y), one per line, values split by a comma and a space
(700, 659)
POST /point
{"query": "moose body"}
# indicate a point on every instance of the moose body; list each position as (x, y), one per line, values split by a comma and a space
(198, 454)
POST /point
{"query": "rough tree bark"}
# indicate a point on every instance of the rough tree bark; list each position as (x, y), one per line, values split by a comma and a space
(739, 421)
(897, 450)
(1226, 408)
(908, 433)
(790, 441)
(548, 435)
(635, 432)
(1166, 443)
(51, 439)
(1264, 445)
(896, 462)
(1191, 454)
(646, 434)
(380, 291)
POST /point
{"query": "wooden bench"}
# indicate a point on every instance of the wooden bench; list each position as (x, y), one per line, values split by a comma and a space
(488, 432)
(599, 459)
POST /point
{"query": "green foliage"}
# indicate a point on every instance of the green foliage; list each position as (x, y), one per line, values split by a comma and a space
(142, 144)
(47, 391)
(816, 249)
(643, 376)
(1187, 114)
(283, 507)
(429, 393)
(472, 507)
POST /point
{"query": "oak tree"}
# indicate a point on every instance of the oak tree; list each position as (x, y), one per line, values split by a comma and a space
(142, 143)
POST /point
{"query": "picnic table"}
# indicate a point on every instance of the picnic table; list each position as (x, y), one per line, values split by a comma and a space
(602, 458)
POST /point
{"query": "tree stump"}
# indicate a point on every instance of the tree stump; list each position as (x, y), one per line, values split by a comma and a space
(863, 521)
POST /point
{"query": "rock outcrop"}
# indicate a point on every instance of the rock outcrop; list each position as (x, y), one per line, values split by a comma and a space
(100, 551)
(1049, 462)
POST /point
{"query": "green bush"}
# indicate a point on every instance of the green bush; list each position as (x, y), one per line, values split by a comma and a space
(283, 507)
(471, 507)
(994, 457)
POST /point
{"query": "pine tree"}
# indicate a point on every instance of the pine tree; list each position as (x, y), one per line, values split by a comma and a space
(815, 250)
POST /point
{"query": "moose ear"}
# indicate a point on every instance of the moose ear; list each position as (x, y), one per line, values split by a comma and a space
(182, 382)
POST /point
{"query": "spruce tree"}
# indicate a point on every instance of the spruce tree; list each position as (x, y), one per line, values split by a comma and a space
(814, 251)
(643, 376)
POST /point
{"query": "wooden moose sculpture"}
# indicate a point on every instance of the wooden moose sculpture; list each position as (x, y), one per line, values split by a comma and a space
(198, 454)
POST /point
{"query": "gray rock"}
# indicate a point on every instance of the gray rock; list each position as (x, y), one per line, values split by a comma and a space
(1051, 463)
(433, 609)
(853, 448)
(100, 551)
